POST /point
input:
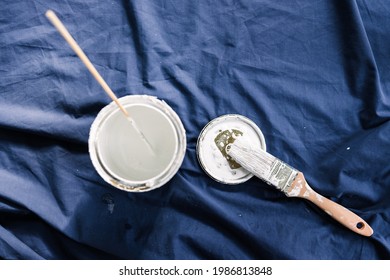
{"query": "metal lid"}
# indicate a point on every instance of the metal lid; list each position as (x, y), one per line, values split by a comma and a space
(210, 147)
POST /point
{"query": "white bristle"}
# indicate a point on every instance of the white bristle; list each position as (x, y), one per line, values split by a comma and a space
(254, 160)
(262, 164)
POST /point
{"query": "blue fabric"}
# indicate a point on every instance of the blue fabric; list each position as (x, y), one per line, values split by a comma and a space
(313, 75)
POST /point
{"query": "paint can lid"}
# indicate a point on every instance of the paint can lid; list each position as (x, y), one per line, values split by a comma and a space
(210, 147)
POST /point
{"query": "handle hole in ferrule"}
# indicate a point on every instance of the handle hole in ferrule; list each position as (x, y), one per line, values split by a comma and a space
(360, 225)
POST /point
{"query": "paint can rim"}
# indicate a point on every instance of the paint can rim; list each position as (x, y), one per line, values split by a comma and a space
(150, 183)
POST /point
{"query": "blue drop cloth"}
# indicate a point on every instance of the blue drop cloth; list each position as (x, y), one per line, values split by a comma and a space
(313, 75)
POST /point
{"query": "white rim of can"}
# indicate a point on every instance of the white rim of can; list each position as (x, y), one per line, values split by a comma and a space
(211, 159)
(158, 180)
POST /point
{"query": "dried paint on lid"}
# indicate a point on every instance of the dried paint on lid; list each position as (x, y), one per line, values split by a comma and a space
(212, 142)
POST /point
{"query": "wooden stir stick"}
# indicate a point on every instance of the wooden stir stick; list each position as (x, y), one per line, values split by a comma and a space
(76, 48)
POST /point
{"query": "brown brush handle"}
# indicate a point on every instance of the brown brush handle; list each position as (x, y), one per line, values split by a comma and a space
(76, 48)
(300, 188)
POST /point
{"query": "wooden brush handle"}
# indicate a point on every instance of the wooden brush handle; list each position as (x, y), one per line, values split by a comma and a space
(76, 48)
(300, 188)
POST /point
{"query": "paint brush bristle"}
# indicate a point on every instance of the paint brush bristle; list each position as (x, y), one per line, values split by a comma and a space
(262, 164)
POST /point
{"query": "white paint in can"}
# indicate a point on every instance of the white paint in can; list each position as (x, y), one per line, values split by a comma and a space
(121, 156)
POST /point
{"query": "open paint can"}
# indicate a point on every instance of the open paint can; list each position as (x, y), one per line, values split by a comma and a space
(121, 156)
(210, 149)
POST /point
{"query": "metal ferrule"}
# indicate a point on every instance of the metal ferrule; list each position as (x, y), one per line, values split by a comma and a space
(282, 175)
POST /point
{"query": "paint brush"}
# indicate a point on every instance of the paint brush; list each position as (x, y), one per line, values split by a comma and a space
(290, 181)
(80, 53)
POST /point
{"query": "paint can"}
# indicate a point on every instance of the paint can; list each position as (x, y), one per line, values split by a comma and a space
(210, 156)
(121, 157)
